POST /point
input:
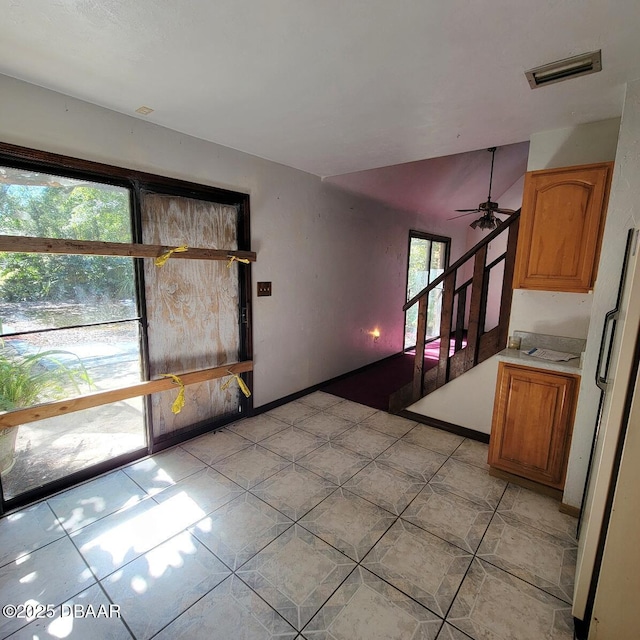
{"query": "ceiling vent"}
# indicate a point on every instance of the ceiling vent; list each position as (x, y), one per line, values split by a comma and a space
(561, 70)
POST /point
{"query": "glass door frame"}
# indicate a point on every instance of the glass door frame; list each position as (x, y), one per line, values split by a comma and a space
(422, 235)
(137, 181)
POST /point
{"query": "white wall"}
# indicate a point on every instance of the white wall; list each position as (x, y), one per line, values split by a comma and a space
(337, 262)
(555, 313)
(466, 401)
(566, 314)
(582, 144)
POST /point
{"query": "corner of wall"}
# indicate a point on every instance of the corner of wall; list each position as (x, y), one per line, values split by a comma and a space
(581, 144)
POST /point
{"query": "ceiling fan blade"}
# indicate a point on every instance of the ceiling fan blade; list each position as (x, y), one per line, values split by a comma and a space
(507, 212)
(470, 213)
(470, 210)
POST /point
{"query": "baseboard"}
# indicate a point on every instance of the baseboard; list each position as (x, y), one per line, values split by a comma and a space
(472, 434)
(556, 494)
(569, 510)
(316, 387)
(193, 431)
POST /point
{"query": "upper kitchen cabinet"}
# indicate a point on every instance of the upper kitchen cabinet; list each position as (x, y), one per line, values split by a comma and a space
(561, 224)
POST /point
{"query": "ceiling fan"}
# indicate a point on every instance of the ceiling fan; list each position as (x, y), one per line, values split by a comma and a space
(488, 209)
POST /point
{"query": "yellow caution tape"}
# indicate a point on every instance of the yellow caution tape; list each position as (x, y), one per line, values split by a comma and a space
(178, 403)
(239, 380)
(233, 259)
(160, 260)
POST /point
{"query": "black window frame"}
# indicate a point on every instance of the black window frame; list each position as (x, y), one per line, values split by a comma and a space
(137, 182)
(422, 235)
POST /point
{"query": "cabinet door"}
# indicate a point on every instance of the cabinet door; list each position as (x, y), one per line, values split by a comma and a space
(561, 226)
(532, 423)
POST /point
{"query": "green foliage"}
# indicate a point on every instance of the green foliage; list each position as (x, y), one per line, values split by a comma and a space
(31, 277)
(82, 212)
(28, 380)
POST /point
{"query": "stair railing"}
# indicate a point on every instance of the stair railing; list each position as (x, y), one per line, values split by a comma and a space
(462, 312)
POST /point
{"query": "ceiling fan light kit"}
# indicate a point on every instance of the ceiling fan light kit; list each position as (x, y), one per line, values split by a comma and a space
(485, 222)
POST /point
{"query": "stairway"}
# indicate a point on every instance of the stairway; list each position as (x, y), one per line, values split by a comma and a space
(464, 311)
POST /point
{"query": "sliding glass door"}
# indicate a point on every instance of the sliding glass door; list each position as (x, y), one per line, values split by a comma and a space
(70, 325)
(125, 317)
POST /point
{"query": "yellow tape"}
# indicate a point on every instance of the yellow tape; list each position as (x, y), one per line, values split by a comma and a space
(233, 259)
(160, 260)
(178, 403)
(239, 380)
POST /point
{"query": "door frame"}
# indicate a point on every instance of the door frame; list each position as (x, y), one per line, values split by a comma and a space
(422, 235)
(137, 181)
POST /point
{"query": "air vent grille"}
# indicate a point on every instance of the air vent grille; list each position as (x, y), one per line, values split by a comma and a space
(581, 65)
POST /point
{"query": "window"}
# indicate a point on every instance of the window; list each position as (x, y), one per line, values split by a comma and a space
(69, 326)
(428, 258)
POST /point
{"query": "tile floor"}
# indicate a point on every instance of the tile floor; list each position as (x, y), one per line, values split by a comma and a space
(322, 519)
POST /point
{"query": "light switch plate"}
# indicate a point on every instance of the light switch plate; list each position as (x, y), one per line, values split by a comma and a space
(264, 289)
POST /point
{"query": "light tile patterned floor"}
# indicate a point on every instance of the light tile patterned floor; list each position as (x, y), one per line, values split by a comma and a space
(321, 520)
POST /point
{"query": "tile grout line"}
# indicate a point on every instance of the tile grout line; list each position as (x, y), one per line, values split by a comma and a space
(359, 563)
(472, 559)
(495, 566)
(95, 577)
(43, 547)
(399, 517)
(297, 522)
(210, 433)
(121, 616)
(294, 523)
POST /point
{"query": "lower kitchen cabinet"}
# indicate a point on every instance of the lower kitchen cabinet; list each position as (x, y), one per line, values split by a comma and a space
(532, 423)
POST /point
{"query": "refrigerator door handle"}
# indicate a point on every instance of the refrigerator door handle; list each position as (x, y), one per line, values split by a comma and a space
(609, 321)
(612, 316)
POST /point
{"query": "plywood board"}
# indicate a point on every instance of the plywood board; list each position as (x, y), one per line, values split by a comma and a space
(192, 306)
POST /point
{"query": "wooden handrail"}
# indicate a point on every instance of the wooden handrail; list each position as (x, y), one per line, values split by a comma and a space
(460, 261)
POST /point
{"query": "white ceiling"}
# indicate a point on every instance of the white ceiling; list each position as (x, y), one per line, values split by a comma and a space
(329, 86)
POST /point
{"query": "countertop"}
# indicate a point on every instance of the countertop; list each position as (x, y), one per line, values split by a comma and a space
(545, 341)
(516, 356)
